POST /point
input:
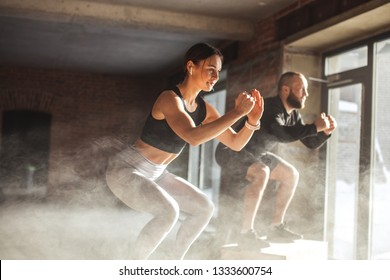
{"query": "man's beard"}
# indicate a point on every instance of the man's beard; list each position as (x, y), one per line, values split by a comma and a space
(294, 102)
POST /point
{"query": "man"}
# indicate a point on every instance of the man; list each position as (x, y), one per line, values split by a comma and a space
(281, 123)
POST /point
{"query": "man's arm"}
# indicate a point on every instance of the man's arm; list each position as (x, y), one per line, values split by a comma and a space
(315, 142)
(293, 128)
(287, 129)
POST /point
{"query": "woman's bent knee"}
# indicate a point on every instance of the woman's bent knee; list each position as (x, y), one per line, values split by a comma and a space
(209, 208)
(205, 207)
(171, 212)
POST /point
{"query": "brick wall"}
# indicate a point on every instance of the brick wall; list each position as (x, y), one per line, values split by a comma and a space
(91, 115)
(260, 60)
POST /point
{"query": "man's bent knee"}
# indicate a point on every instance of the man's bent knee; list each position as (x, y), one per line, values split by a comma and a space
(295, 173)
(258, 172)
(285, 172)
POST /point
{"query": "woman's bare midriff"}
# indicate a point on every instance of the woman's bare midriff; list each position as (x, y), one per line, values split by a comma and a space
(153, 154)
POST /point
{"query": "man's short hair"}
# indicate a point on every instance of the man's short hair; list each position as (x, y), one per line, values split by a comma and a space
(286, 79)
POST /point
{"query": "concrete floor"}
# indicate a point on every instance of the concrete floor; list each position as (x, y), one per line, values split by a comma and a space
(57, 231)
(33, 230)
(53, 231)
(94, 226)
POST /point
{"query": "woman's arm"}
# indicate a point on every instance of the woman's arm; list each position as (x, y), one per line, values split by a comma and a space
(237, 140)
(170, 107)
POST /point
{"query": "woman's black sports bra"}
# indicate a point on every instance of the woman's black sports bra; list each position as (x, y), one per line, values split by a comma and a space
(159, 134)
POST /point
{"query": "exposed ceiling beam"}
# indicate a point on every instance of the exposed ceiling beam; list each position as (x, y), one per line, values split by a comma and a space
(361, 22)
(132, 16)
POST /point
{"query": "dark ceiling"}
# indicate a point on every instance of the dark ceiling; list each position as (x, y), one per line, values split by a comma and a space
(126, 37)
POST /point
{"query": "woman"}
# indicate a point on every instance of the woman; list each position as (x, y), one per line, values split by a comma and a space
(138, 175)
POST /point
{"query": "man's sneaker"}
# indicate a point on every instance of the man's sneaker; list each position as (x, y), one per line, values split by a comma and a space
(251, 240)
(283, 234)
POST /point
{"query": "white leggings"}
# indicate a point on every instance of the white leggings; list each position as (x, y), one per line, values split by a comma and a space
(148, 187)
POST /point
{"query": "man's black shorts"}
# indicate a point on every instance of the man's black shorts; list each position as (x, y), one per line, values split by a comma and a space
(238, 162)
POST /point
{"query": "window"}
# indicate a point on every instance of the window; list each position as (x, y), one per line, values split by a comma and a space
(358, 157)
(381, 181)
(203, 170)
(351, 59)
